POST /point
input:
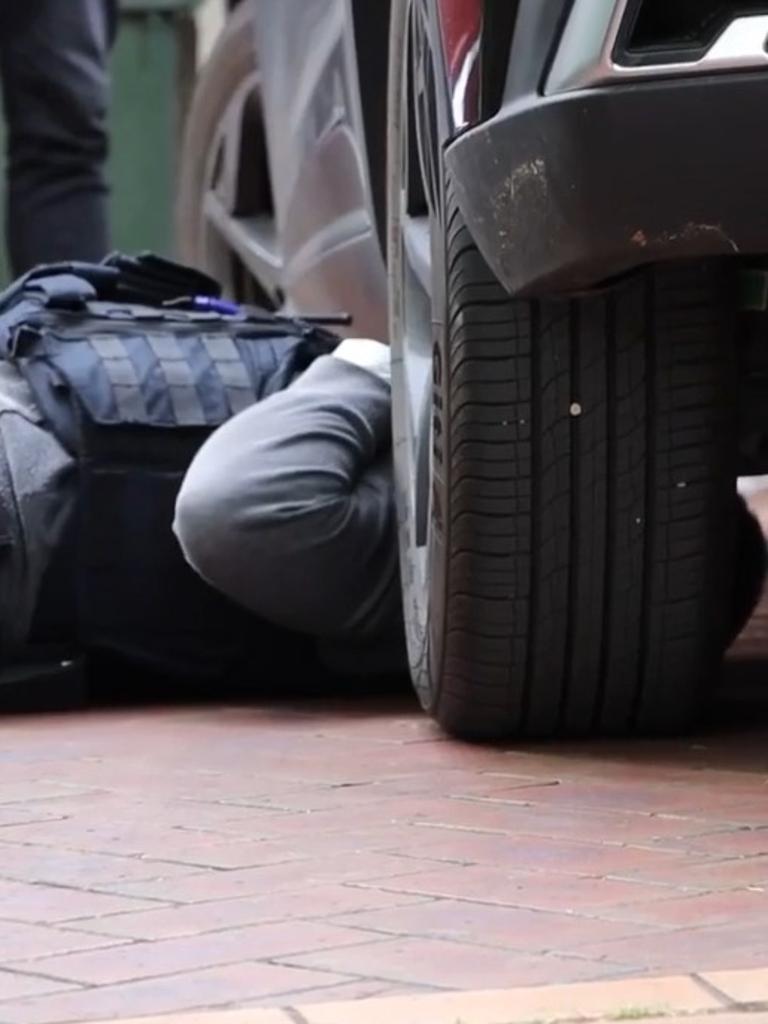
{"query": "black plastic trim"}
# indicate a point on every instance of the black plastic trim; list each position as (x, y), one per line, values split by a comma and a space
(564, 192)
(632, 52)
(537, 34)
(499, 17)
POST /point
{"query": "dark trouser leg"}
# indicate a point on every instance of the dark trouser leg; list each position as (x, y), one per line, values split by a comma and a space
(53, 63)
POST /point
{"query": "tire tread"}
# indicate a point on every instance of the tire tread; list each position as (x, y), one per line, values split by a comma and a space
(587, 557)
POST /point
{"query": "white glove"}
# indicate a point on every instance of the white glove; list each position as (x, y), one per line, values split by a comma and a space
(370, 355)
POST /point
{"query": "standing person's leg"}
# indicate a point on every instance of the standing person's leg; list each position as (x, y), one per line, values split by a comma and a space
(55, 79)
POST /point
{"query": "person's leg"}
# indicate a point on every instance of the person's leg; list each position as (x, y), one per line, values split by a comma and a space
(53, 63)
(289, 508)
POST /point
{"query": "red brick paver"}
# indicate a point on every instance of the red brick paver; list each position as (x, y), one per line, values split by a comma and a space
(162, 860)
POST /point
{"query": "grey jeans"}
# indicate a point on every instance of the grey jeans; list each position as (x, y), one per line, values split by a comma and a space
(289, 510)
(55, 81)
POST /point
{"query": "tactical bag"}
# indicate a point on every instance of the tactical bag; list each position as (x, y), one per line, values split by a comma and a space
(132, 364)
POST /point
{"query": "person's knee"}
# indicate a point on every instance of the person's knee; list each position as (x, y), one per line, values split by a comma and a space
(279, 559)
(230, 528)
(204, 529)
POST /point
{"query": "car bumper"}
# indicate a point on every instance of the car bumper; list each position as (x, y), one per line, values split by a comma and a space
(564, 192)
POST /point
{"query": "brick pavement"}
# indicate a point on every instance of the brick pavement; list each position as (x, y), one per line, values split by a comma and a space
(166, 859)
(159, 860)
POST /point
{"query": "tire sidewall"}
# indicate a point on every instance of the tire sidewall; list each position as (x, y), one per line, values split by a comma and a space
(424, 606)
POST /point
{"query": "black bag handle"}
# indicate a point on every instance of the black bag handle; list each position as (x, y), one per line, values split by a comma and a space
(145, 280)
(153, 280)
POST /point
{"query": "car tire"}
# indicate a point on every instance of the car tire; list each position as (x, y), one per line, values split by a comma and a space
(583, 519)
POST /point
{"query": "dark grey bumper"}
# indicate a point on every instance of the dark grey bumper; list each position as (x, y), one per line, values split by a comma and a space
(564, 192)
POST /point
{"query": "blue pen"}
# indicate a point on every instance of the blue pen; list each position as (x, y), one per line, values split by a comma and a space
(211, 305)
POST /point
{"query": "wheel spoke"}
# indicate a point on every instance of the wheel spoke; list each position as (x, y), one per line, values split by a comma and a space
(418, 308)
(237, 236)
(226, 166)
(422, 461)
(417, 241)
(251, 238)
